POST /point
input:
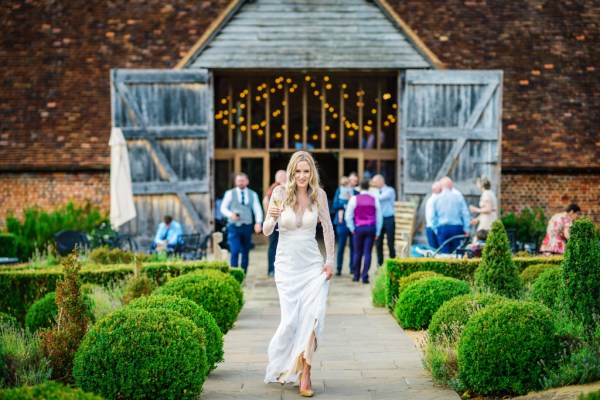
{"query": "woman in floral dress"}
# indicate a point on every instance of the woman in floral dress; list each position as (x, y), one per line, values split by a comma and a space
(557, 233)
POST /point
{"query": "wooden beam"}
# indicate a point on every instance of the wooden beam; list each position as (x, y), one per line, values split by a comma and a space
(166, 132)
(323, 114)
(449, 133)
(193, 214)
(161, 161)
(162, 76)
(209, 34)
(485, 98)
(410, 34)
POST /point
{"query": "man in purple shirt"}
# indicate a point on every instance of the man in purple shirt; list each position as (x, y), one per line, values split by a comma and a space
(364, 219)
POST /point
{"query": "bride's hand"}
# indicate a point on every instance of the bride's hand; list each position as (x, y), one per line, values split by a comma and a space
(274, 212)
(328, 272)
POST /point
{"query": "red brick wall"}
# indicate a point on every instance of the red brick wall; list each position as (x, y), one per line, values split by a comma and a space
(51, 190)
(552, 192)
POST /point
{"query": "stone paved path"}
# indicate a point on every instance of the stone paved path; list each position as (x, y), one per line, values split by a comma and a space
(364, 355)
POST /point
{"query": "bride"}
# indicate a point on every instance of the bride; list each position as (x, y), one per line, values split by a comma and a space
(301, 276)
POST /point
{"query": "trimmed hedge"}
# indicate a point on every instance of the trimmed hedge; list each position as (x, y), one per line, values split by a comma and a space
(421, 299)
(404, 282)
(229, 279)
(238, 274)
(198, 315)
(506, 347)
(142, 353)
(530, 274)
(47, 391)
(8, 245)
(22, 285)
(463, 269)
(212, 292)
(547, 288)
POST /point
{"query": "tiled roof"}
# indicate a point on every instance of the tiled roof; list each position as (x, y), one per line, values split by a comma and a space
(55, 60)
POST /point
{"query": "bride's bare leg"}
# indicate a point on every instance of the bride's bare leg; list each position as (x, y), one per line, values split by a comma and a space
(305, 383)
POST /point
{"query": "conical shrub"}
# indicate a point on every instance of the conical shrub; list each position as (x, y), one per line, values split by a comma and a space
(581, 273)
(497, 272)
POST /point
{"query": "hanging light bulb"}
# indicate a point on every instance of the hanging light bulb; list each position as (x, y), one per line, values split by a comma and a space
(326, 78)
(243, 128)
(260, 132)
(278, 135)
(315, 137)
(350, 133)
(333, 136)
(328, 86)
(223, 101)
(307, 78)
(297, 136)
(257, 98)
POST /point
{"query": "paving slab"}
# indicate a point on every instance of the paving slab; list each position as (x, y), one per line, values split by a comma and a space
(364, 354)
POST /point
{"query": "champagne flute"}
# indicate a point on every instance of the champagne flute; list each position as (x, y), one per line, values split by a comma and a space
(278, 201)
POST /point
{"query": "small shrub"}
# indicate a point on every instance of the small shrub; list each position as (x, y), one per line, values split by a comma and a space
(105, 299)
(547, 287)
(22, 361)
(42, 314)
(61, 342)
(7, 319)
(403, 283)
(497, 272)
(104, 255)
(378, 290)
(198, 315)
(441, 360)
(142, 353)
(47, 391)
(590, 396)
(212, 292)
(581, 272)
(421, 299)
(449, 320)
(504, 347)
(8, 245)
(238, 274)
(530, 274)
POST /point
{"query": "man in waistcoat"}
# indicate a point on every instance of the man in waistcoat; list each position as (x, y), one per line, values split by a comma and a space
(364, 220)
(239, 206)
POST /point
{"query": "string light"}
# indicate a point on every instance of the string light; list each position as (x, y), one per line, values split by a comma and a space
(335, 115)
(225, 112)
(242, 119)
(242, 106)
(257, 98)
(259, 88)
(278, 135)
(263, 123)
(350, 133)
(394, 106)
(374, 111)
(316, 92)
(264, 95)
(260, 132)
(243, 128)
(223, 101)
(297, 136)
(307, 78)
(328, 86)
(333, 136)
(326, 78)
(313, 84)
(331, 109)
(288, 80)
(315, 137)
(387, 96)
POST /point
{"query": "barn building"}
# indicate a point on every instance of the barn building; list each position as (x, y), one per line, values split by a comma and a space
(413, 90)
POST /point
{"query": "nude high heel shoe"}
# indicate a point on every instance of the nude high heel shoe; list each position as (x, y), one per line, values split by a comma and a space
(307, 393)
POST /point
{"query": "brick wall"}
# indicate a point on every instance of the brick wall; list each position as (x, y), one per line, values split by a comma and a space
(51, 190)
(552, 192)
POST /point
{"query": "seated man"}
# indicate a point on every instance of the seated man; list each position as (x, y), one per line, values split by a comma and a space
(167, 235)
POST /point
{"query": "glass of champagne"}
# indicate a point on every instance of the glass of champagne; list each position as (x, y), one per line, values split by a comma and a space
(278, 201)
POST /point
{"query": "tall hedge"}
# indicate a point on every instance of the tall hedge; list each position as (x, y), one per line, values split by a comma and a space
(497, 272)
(581, 272)
(8, 245)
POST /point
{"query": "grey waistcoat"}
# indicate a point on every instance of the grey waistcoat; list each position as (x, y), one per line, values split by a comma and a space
(244, 211)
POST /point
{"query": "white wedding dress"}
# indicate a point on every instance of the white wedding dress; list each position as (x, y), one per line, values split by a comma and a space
(302, 287)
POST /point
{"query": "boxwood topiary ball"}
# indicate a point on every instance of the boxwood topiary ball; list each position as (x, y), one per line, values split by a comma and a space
(193, 311)
(142, 353)
(421, 299)
(228, 278)
(547, 287)
(415, 276)
(46, 391)
(212, 292)
(505, 348)
(238, 274)
(450, 319)
(9, 320)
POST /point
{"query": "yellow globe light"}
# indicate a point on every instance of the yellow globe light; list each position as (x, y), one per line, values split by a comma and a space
(315, 137)
(297, 137)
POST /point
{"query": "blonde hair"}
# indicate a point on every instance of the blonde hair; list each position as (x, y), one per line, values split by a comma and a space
(313, 182)
(344, 180)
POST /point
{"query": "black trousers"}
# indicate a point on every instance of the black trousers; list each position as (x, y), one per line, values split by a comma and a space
(388, 229)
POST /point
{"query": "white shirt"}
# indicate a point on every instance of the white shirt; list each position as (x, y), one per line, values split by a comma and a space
(429, 210)
(256, 205)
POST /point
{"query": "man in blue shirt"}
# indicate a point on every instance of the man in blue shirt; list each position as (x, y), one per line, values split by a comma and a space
(451, 215)
(167, 235)
(387, 197)
(241, 207)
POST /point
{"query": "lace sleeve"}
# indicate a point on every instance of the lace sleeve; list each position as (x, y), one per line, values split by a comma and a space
(269, 222)
(328, 234)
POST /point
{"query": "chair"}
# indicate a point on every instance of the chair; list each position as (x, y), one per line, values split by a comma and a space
(405, 215)
(66, 240)
(187, 246)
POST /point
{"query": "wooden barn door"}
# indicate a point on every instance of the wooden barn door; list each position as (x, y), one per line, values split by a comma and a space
(166, 118)
(451, 126)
